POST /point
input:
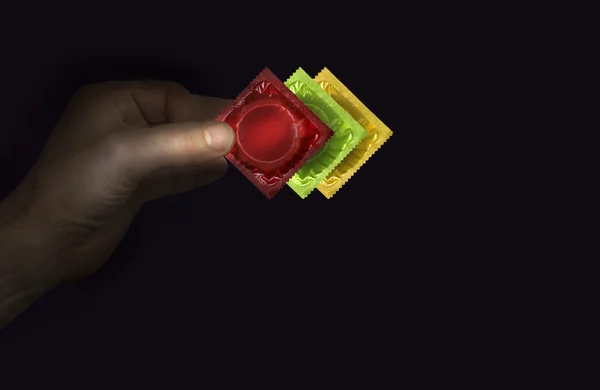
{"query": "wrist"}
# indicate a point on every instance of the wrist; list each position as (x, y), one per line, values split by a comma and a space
(26, 252)
(26, 269)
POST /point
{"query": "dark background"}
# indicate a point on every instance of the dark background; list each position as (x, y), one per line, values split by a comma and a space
(413, 261)
(222, 268)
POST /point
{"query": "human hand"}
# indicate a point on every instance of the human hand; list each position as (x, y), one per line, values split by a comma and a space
(117, 145)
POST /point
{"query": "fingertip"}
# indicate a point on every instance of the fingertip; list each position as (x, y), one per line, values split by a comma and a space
(219, 136)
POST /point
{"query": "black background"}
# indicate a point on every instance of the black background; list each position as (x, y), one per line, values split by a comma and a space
(222, 268)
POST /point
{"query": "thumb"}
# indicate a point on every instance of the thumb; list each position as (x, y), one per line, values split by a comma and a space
(141, 153)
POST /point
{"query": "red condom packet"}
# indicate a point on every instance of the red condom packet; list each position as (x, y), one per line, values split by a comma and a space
(275, 133)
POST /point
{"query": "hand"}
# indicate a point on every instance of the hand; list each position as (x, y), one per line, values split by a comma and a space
(117, 145)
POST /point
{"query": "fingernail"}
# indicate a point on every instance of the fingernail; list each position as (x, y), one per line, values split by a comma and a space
(219, 136)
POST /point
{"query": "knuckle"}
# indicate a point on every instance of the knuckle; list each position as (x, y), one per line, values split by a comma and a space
(175, 87)
(180, 143)
(189, 145)
(167, 86)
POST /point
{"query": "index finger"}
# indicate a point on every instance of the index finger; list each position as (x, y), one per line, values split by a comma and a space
(150, 102)
(202, 108)
(166, 102)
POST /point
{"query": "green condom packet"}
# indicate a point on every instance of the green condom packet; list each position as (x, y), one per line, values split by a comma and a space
(347, 133)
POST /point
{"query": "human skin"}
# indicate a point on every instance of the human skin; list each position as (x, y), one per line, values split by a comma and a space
(117, 145)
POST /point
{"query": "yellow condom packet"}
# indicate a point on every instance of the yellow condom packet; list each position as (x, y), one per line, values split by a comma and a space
(377, 133)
